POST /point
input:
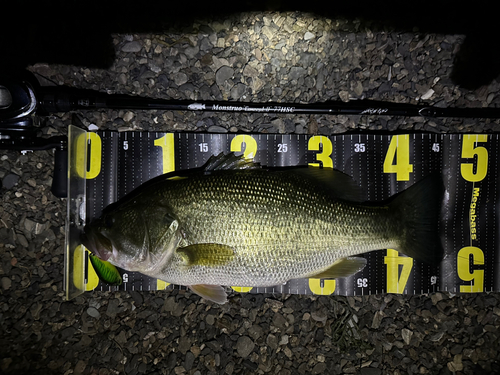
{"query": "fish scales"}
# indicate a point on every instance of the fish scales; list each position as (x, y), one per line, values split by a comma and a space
(279, 225)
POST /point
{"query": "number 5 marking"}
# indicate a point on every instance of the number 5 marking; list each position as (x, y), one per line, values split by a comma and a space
(468, 152)
(476, 277)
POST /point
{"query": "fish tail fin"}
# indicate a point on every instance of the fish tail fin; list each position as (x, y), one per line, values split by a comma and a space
(418, 208)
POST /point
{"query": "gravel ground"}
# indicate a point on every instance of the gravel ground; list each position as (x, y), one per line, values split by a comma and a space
(253, 56)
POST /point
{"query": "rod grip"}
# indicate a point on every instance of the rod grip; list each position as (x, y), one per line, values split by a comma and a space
(60, 177)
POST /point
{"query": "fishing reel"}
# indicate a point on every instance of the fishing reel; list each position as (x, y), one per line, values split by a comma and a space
(22, 102)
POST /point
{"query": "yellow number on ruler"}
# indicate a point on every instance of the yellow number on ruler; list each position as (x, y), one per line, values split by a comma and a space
(325, 156)
(468, 152)
(79, 258)
(396, 282)
(88, 167)
(161, 285)
(399, 149)
(166, 143)
(242, 289)
(325, 290)
(168, 151)
(92, 278)
(476, 277)
(250, 145)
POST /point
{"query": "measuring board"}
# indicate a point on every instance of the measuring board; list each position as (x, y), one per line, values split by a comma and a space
(106, 165)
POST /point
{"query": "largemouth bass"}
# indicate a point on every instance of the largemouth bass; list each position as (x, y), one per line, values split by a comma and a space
(232, 222)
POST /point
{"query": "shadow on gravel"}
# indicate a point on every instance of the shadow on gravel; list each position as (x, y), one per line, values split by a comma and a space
(79, 33)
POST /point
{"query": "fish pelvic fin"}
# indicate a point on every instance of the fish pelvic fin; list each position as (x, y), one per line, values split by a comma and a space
(214, 293)
(418, 209)
(342, 268)
(206, 254)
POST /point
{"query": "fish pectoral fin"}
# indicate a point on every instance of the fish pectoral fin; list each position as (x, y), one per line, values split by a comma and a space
(105, 271)
(206, 254)
(342, 268)
(214, 293)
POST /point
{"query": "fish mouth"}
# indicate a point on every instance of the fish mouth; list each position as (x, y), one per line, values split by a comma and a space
(96, 242)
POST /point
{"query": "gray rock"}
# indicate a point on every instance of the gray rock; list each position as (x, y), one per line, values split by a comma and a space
(244, 346)
(223, 74)
(191, 52)
(189, 361)
(10, 180)
(296, 72)
(179, 78)
(308, 35)
(216, 129)
(319, 368)
(238, 91)
(6, 283)
(93, 312)
(134, 46)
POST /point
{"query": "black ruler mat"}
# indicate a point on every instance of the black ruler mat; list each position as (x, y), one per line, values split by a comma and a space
(382, 164)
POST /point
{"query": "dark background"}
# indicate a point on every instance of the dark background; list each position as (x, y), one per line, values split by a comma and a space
(79, 32)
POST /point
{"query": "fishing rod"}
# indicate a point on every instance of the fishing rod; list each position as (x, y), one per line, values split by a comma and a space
(63, 99)
(51, 99)
(22, 97)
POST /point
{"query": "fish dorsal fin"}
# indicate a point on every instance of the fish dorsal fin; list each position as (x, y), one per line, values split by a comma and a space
(214, 293)
(231, 161)
(342, 268)
(341, 185)
(206, 254)
(105, 271)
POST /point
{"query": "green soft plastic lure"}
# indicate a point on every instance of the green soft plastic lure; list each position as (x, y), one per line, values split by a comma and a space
(107, 272)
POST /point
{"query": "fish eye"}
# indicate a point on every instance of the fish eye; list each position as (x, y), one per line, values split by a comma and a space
(109, 221)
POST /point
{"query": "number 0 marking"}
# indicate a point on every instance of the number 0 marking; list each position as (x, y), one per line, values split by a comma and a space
(326, 289)
(242, 289)
(88, 151)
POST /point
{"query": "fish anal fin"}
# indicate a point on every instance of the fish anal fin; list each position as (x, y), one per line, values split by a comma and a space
(206, 254)
(342, 268)
(214, 293)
